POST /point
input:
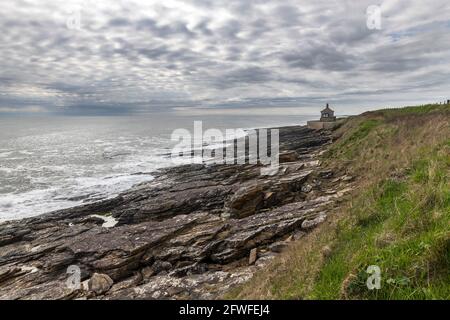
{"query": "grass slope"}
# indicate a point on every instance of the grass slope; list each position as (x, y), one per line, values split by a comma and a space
(398, 218)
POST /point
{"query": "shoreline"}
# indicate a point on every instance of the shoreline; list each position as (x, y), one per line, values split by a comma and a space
(193, 232)
(105, 196)
(151, 173)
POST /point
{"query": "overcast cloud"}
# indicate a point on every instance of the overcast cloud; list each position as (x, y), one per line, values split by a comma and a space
(135, 56)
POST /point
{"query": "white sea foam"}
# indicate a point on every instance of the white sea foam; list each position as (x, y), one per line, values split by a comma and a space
(73, 192)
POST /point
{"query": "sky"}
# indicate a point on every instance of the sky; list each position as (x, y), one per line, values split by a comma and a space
(87, 57)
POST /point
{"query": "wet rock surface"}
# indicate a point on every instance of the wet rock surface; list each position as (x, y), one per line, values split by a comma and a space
(194, 232)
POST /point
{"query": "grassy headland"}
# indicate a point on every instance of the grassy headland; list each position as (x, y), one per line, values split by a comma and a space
(397, 218)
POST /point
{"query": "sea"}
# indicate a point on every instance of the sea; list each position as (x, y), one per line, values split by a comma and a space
(49, 163)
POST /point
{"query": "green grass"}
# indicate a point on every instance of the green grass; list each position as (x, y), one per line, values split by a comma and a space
(404, 229)
(352, 144)
(412, 110)
(397, 219)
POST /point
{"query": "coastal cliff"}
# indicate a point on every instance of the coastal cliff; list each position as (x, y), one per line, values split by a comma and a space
(396, 222)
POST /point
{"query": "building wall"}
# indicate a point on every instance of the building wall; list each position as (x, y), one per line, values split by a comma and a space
(318, 125)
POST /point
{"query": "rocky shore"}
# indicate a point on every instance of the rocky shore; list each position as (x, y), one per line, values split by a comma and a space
(194, 232)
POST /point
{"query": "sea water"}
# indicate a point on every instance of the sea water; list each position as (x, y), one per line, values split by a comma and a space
(54, 162)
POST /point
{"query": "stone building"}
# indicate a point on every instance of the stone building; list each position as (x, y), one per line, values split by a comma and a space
(327, 120)
(327, 114)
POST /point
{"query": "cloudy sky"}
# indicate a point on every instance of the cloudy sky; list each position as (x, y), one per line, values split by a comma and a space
(134, 56)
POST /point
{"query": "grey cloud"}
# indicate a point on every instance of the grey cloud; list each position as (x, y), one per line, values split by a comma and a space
(175, 28)
(129, 57)
(247, 75)
(320, 56)
(119, 22)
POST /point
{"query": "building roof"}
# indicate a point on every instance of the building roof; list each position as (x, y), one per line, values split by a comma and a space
(327, 109)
